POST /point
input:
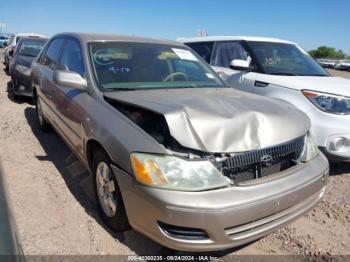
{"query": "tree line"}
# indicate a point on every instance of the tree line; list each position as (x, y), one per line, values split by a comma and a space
(328, 52)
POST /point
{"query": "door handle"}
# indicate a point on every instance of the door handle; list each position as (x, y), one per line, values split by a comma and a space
(260, 84)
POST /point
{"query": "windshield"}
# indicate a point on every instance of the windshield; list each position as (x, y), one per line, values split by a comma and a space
(126, 65)
(31, 47)
(285, 59)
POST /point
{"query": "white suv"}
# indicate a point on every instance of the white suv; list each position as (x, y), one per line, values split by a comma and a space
(283, 70)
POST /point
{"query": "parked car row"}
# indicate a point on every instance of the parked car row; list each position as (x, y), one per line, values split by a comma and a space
(335, 64)
(343, 65)
(327, 63)
(175, 152)
(4, 40)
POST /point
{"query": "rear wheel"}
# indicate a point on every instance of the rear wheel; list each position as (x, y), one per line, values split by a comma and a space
(107, 193)
(43, 124)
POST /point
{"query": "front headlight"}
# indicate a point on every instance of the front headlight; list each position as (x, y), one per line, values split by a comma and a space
(310, 150)
(329, 103)
(170, 172)
(23, 70)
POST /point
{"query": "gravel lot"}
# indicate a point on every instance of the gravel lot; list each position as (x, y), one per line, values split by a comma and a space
(52, 204)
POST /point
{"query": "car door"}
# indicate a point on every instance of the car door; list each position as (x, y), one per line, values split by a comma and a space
(47, 64)
(67, 100)
(224, 53)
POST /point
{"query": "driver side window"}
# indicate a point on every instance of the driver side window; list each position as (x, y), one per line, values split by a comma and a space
(52, 53)
(225, 52)
(71, 58)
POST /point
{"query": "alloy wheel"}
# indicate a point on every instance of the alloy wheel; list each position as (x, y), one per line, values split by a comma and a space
(106, 189)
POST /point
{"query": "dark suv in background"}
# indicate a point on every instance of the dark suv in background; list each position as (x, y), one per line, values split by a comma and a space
(27, 49)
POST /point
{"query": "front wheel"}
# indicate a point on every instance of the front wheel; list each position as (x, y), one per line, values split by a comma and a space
(108, 196)
(14, 86)
(43, 124)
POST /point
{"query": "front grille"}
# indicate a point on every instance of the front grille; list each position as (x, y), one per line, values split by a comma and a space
(252, 165)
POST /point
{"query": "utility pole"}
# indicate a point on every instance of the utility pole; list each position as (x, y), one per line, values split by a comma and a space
(2, 26)
(202, 32)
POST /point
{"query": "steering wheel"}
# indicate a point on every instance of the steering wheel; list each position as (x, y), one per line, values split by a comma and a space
(172, 75)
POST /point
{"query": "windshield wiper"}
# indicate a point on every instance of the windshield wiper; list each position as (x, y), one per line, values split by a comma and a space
(120, 89)
(282, 74)
(189, 86)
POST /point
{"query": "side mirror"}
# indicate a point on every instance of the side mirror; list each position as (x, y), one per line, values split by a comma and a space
(11, 53)
(5, 44)
(69, 79)
(242, 65)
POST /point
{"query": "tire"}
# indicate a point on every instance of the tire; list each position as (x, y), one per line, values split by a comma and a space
(13, 85)
(116, 218)
(7, 69)
(43, 124)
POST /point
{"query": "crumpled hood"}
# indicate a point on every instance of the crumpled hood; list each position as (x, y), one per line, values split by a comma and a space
(220, 120)
(331, 84)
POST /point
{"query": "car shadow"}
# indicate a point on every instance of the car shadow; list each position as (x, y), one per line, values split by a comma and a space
(19, 100)
(6, 71)
(78, 181)
(339, 168)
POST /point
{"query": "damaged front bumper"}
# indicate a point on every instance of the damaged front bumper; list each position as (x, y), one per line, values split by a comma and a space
(223, 218)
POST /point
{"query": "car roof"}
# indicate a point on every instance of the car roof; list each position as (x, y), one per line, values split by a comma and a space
(29, 34)
(233, 38)
(95, 37)
(33, 38)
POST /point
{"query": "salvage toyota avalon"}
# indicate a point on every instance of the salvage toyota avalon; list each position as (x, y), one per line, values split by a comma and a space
(173, 151)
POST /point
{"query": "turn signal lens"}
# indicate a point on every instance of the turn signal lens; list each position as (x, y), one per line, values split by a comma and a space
(140, 171)
(309, 94)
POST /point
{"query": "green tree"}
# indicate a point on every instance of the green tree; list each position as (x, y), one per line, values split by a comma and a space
(327, 52)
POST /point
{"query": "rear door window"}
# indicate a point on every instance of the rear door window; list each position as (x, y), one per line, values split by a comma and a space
(51, 56)
(204, 49)
(71, 58)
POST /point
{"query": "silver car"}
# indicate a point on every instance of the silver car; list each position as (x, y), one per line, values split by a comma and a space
(173, 151)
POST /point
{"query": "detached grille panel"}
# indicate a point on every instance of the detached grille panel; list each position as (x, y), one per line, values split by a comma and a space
(248, 166)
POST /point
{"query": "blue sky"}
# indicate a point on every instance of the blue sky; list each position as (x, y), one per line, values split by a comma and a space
(310, 22)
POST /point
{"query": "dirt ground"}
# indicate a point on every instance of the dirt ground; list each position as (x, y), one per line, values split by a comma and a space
(52, 202)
